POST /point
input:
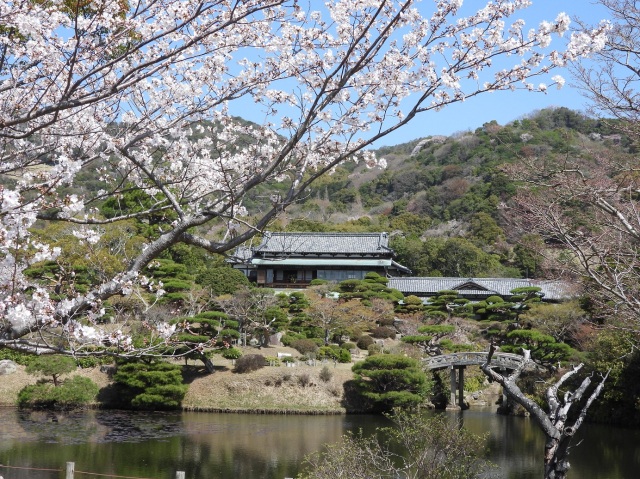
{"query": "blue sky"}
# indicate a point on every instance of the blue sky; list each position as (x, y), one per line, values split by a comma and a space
(505, 106)
(500, 106)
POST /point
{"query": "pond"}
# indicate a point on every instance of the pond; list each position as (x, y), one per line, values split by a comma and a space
(247, 446)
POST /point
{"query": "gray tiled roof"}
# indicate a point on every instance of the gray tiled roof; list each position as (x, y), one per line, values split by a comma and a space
(324, 243)
(242, 254)
(553, 290)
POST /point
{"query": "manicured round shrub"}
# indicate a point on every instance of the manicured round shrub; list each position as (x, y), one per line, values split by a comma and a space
(386, 321)
(382, 332)
(364, 342)
(73, 392)
(344, 356)
(327, 352)
(374, 349)
(222, 280)
(229, 334)
(217, 315)
(250, 362)
(289, 338)
(231, 324)
(433, 315)
(387, 381)
(36, 395)
(231, 353)
(150, 386)
(304, 346)
(348, 346)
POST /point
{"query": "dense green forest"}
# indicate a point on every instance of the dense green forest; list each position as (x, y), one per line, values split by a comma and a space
(443, 199)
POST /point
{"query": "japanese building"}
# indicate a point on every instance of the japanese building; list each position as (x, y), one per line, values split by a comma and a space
(284, 260)
(477, 289)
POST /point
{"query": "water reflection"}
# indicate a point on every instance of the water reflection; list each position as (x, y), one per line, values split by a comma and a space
(155, 445)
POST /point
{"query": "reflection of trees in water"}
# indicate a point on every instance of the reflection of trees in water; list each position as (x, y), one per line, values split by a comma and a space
(42, 439)
(97, 441)
(232, 462)
(136, 426)
(252, 446)
(237, 444)
(224, 446)
(68, 427)
(203, 445)
(600, 450)
(78, 427)
(514, 443)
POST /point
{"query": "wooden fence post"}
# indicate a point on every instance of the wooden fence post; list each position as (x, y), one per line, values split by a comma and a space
(70, 469)
(180, 475)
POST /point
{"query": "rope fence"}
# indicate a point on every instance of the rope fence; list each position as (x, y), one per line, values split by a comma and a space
(71, 472)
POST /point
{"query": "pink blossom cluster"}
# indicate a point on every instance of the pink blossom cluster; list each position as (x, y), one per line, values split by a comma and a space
(140, 94)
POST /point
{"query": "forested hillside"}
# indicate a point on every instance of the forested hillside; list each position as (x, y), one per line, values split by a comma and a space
(126, 182)
(446, 202)
(445, 199)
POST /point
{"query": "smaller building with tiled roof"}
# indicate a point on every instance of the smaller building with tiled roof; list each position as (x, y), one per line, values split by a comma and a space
(480, 288)
(295, 259)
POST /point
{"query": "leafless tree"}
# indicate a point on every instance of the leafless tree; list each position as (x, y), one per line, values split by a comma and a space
(249, 306)
(610, 79)
(558, 426)
(585, 206)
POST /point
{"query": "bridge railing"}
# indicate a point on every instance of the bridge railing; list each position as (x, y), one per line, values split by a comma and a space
(505, 360)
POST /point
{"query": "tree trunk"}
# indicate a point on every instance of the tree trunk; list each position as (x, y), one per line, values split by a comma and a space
(553, 423)
(208, 364)
(556, 465)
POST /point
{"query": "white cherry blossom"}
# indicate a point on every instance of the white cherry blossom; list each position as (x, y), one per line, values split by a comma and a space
(142, 95)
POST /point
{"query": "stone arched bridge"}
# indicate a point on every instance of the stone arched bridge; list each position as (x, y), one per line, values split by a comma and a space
(504, 360)
(459, 361)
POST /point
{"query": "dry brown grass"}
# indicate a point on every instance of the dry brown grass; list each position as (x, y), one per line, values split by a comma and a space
(276, 389)
(11, 384)
(270, 389)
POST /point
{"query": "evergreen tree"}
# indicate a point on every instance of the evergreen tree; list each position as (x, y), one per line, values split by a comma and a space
(149, 385)
(387, 381)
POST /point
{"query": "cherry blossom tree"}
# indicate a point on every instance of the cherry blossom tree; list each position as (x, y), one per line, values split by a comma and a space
(586, 209)
(585, 203)
(611, 81)
(141, 95)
